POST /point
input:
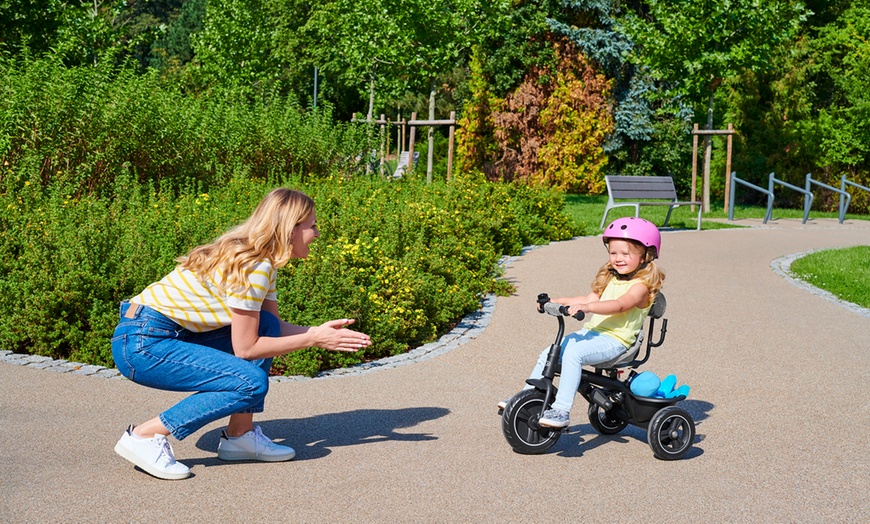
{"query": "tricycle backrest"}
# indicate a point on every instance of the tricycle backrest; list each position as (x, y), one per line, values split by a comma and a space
(659, 306)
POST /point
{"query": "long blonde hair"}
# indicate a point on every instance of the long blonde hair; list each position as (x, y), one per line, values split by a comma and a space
(650, 274)
(266, 234)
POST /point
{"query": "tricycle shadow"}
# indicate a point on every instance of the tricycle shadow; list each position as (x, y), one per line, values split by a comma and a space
(314, 437)
(583, 438)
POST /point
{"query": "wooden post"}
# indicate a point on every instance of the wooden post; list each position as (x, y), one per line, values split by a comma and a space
(728, 167)
(694, 164)
(411, 145)
(383, 139)
(450, 146)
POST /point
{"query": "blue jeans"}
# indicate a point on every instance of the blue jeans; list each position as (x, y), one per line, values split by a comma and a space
(152, 350)
(581, 348)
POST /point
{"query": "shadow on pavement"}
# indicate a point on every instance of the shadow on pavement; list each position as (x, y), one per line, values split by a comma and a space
(313, 437)
(583, 438)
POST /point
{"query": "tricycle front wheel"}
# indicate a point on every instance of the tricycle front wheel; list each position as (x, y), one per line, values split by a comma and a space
(520, 424)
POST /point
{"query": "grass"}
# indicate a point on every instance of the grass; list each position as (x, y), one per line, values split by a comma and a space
(586, 211)
(845, 273)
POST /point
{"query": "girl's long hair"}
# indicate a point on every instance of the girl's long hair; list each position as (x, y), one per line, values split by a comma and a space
(651, 276)
(266, 234)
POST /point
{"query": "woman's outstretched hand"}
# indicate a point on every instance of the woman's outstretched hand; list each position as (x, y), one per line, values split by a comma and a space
(333, 335)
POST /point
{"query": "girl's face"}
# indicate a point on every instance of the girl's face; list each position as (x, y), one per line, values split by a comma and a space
(625, 257)
(304, 234)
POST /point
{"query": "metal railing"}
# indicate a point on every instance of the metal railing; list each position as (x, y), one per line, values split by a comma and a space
(845, 196)
(808, 196)
(843, 184)
(736, 181)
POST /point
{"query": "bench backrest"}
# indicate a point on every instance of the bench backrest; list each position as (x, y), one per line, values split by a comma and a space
(641, 187)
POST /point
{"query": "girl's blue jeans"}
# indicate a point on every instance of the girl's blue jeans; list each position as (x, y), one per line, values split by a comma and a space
(154, 351)
(581, 348)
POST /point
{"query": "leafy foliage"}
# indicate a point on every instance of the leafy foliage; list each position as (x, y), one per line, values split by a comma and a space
(86, 125)
(550, 130)
(404, 258)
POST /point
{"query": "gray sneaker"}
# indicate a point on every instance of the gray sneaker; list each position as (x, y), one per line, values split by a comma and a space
(253, 445)
(153, 455)
(554, 418)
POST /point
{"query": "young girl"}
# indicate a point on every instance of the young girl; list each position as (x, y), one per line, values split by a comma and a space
(211, 326)
(621, 296)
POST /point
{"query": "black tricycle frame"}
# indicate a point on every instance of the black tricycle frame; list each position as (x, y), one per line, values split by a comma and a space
(612, 404)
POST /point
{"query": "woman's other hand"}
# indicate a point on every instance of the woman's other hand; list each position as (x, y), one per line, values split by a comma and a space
(333, 335)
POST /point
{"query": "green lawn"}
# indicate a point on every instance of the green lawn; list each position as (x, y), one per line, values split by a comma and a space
(587, 211)
(845, 273)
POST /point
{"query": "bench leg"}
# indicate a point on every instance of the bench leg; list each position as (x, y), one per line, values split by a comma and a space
(604, 218)
(668, 216)
(700, 208)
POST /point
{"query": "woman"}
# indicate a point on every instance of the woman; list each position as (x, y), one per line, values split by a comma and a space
(211, 326)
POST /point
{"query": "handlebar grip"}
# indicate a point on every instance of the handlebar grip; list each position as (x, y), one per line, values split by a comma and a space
(559, 310)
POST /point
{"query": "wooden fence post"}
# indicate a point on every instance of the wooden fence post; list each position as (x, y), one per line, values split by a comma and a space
(382, 156)
(694, 164)
(411, 145)
(450, 145)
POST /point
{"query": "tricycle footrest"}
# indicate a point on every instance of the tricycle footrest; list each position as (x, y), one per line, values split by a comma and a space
(600, 398)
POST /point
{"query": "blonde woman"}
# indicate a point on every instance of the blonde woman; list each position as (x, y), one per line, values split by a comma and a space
(211, 327)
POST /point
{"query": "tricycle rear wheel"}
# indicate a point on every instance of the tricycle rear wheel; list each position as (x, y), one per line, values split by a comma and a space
(671, 433)
(603, 422)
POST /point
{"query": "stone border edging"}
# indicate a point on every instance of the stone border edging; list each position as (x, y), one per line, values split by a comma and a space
(782, 266)
(470, 327)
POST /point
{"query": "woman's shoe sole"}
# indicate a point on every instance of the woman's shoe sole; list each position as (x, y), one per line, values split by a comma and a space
(147, 468)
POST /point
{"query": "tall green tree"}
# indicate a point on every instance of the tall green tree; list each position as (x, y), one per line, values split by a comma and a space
(696, 46)
(235, 44)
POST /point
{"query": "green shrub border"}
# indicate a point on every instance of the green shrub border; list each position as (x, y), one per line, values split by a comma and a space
(404, 258)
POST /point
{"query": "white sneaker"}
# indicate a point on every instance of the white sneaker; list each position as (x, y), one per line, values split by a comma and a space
(253, 445)
(154, 455)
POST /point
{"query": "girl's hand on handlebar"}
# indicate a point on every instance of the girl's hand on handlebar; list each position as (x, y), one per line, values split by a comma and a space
(334, 336)
(572, 310)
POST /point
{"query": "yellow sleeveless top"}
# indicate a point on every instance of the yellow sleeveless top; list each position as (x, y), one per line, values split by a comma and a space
(621, 326)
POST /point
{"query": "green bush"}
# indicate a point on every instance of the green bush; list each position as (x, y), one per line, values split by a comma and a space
(404, 258)
(86, 125)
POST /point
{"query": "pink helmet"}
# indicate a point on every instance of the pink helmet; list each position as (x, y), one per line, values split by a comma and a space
(638, 229)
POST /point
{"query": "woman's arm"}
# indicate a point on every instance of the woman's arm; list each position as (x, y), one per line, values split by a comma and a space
(332, 335)
(637, 296)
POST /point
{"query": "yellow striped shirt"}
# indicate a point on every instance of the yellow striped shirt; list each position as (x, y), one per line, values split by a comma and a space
(197, 307)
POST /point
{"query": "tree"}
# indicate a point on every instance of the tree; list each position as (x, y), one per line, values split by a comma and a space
(235, 44)
(698, 45)
(361, 44)
(839, 133)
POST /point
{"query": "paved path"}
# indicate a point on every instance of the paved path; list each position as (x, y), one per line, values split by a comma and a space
(779, 393)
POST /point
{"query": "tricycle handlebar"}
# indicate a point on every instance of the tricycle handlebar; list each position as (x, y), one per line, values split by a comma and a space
(559, 310)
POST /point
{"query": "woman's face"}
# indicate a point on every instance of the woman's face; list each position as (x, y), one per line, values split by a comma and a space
(304, 234)
(625, 257)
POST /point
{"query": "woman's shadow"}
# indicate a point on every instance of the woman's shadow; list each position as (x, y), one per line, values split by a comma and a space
(314, 437)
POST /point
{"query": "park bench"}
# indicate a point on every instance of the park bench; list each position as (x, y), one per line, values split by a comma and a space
(404, 163)
(644, 191)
